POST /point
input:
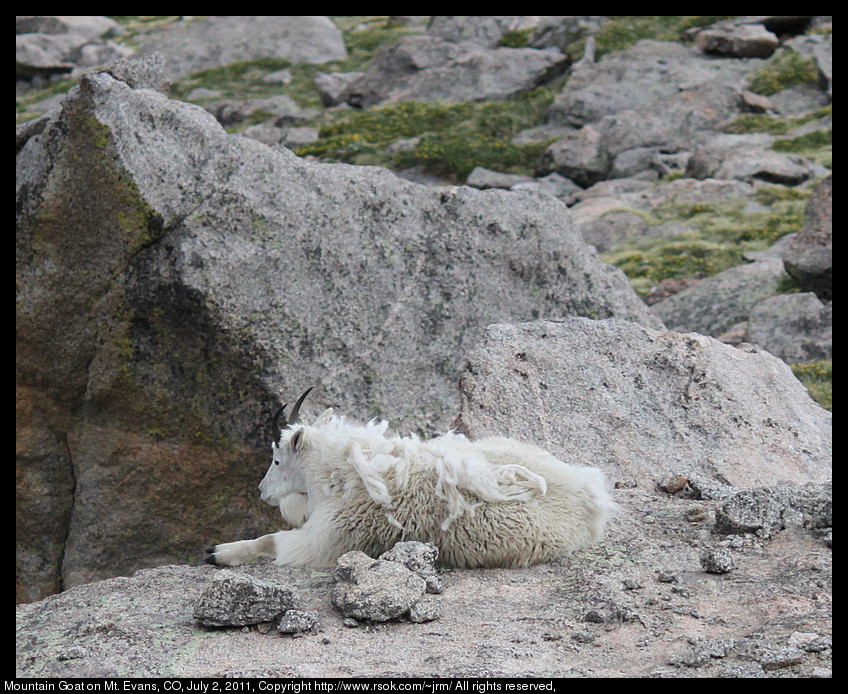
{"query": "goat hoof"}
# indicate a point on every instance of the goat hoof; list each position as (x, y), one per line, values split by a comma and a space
(210, 556)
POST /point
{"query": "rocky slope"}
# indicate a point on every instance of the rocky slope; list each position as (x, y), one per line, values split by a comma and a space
(180, 272)
(238, 274)
(691, 154)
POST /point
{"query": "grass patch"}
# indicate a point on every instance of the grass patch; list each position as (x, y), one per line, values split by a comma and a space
(454, 155)
(804, 143)
(407, 119)
(722, 233)
(620, 33)
(454, 138)
(784, 69)
(648, 263)
(242, 79)
(364, 37)
(774, 125)
(774, 194)
(817, 378)
(136, 25)
(817, 145)
(25, 102)
(516, 38)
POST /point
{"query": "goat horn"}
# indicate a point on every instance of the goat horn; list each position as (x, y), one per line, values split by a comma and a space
(278, 423)
(296, 409)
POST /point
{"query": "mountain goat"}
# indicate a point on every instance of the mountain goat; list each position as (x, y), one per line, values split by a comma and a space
(493, 502)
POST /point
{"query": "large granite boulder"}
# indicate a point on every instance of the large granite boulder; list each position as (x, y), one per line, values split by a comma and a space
(715, 304)
(428, 68)
(210, 42)
(643, 404)
(49, 45)
(796, 327)
(718, 562)
(809, 259)
(638, 76)
(739, 41)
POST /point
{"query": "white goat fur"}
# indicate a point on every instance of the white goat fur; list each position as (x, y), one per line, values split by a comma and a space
(493, 502)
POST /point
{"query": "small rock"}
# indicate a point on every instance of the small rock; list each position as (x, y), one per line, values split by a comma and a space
(809, 257)
(763, 165)
(267, 133)
(299, 622)
(45, 54)
(234, 599)
(73, 653)
(486, 178)
(736, 334)
(744, 41)
(672, 483)
(553, 184)
(801, 639)
(331, 85)
(229, 113)
(425, 610)
(742, 671)
(701, 652)
(407, 144)
(756, 103)
(283, 76)
(811, 642)
(769, 655)
(795, 327)
(667, 288)
(582, 637)
(374, 589)
(717, 561)
(295, 137)
(201, 93)
(683, 592)
(814, 504)
(594, 617)
(420, 558)
(706, 488)
(757, 511)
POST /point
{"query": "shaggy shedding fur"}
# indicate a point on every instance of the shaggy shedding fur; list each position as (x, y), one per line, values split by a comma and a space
(493, 502)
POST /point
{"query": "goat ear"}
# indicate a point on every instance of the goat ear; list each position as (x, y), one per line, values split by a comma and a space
(324, 417)
(297, 441)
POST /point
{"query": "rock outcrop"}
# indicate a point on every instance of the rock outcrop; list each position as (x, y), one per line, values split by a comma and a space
(643, 404)
(174, 282)
(809, 259)
(217, 41)
(427, 68)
